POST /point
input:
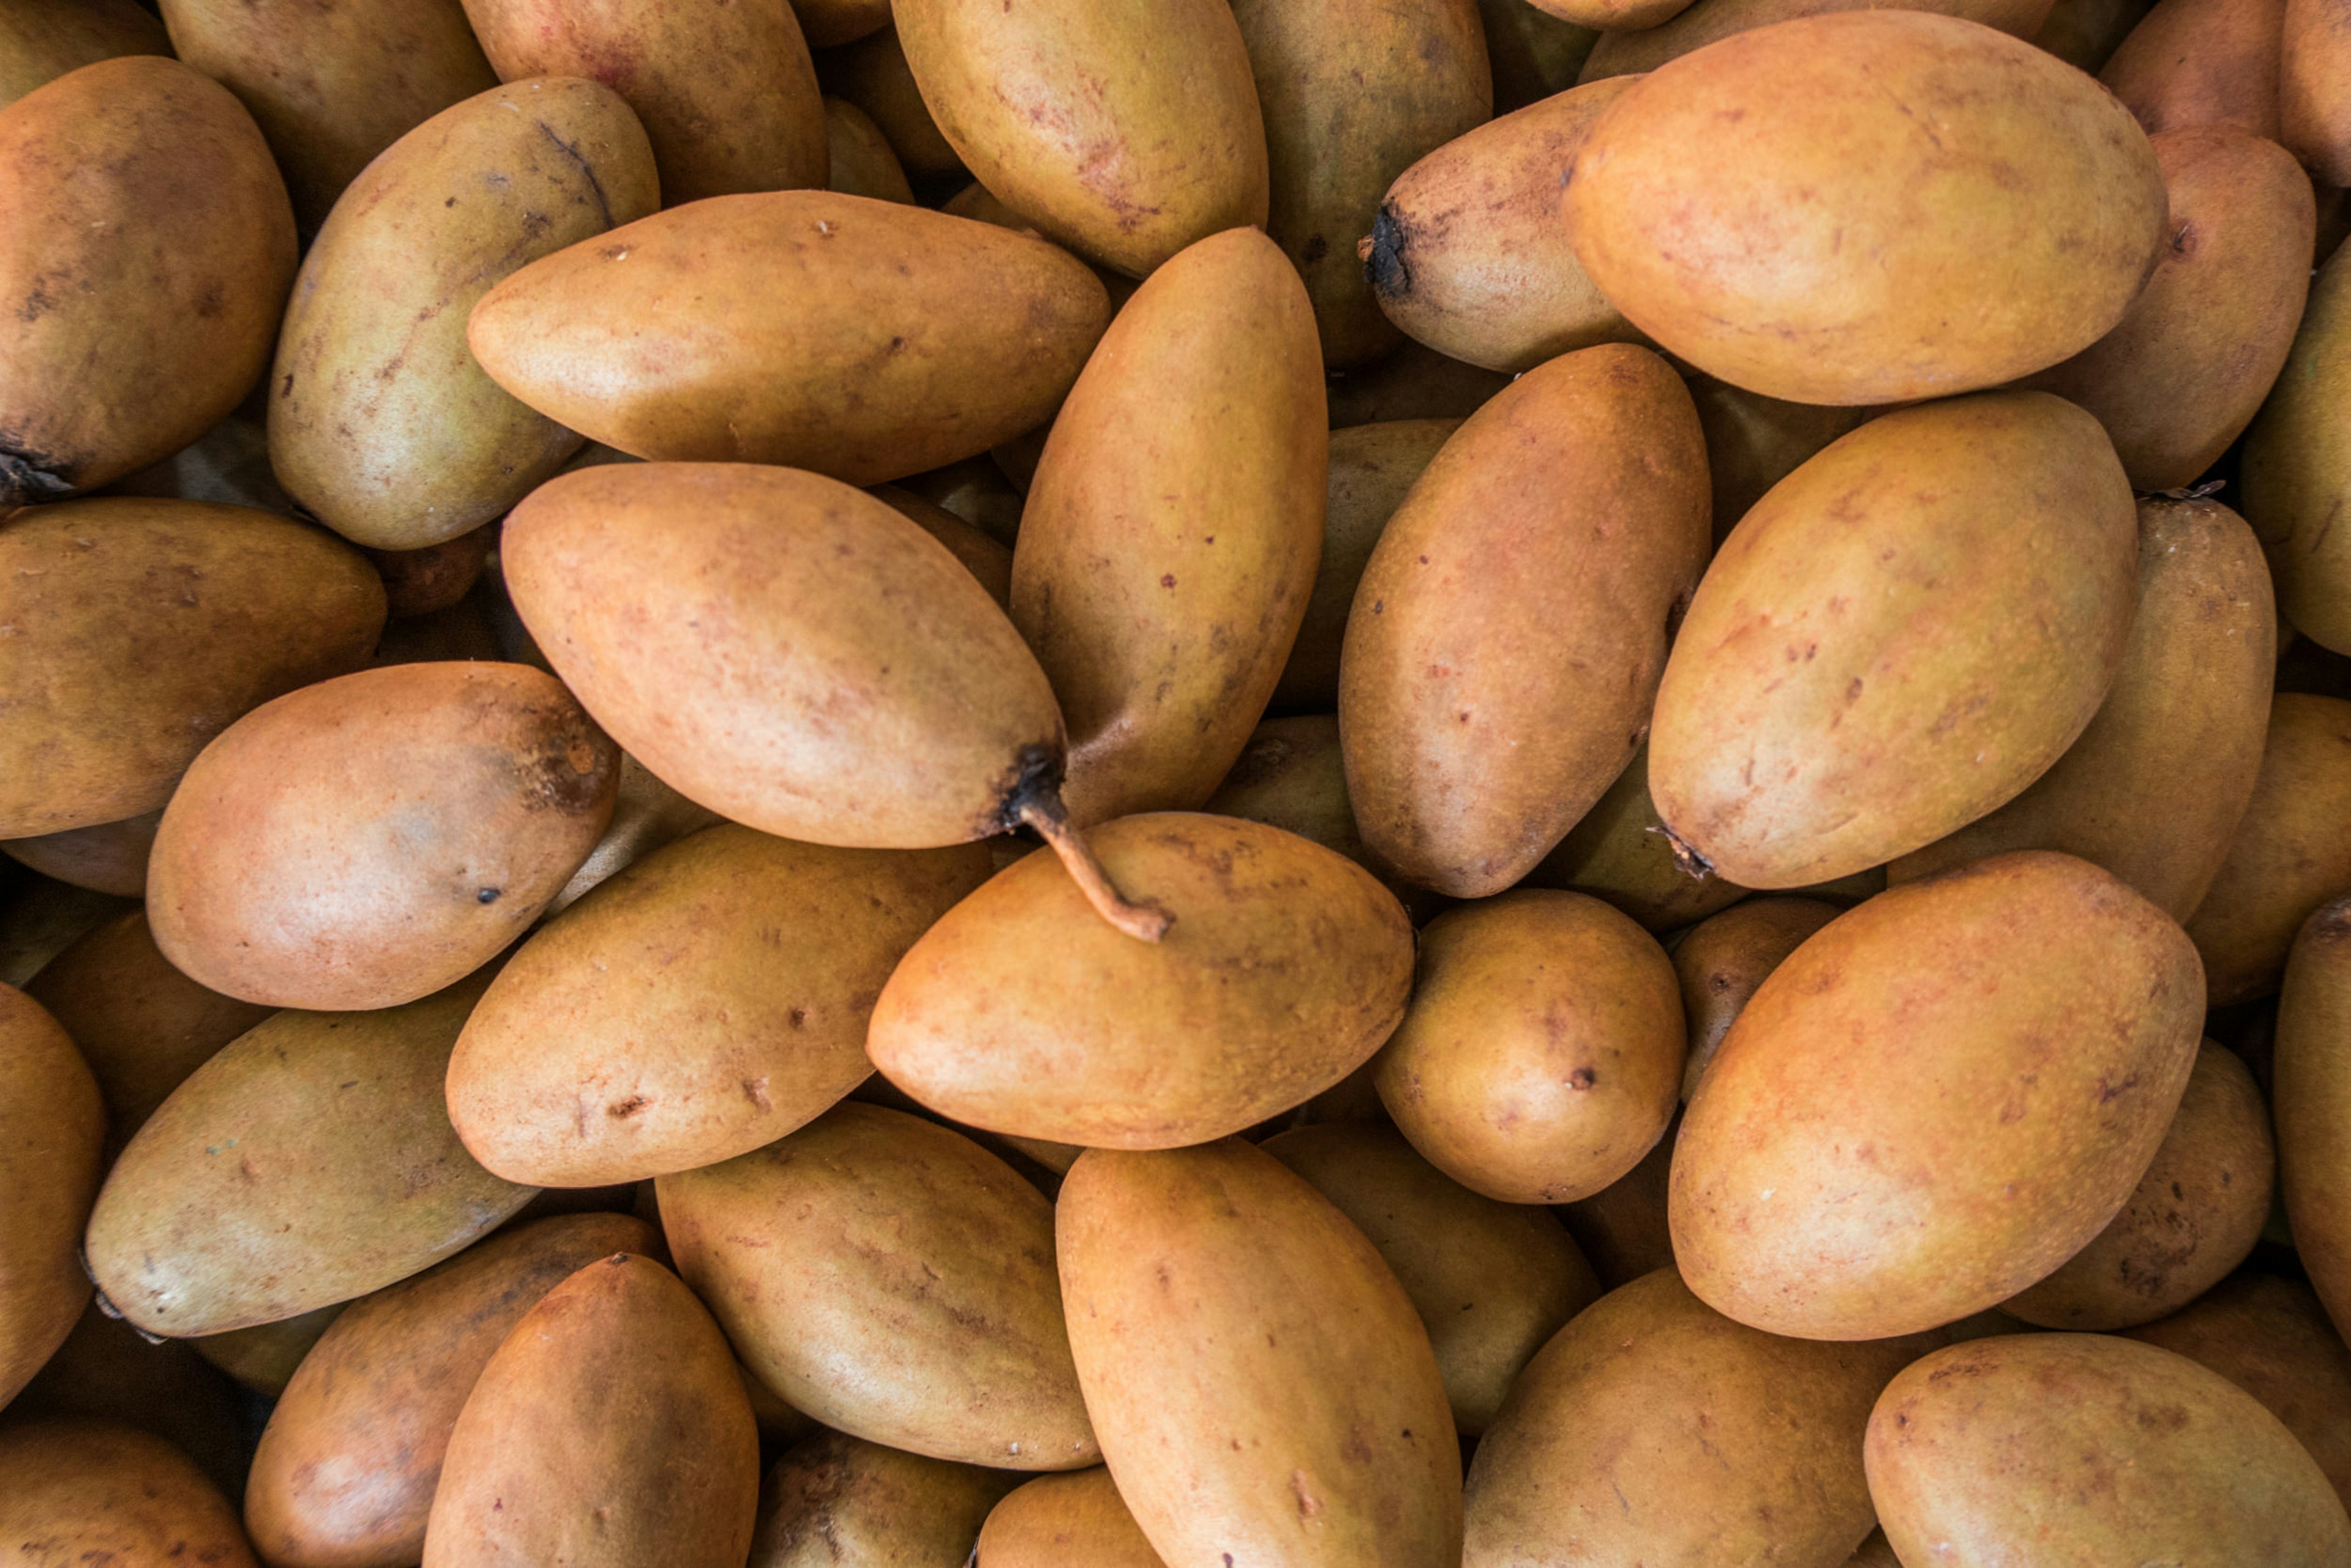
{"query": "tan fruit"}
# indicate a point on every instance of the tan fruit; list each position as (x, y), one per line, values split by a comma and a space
(2312, 1092)
(107, 857)
(2297, 468)
(1618, 851)
(1414, 383)
(109, 1371)
(1753, 442)
(1064, 1522)
(871, 73)
(429, 580)
(646, 814)
(2191, 63)
(989, 561)
(836, 1500)
(1722, 962)
(861, 161)
(41, 40)
(1623, 1228)
(2314, 113)
(1533, 53)
(2085, 34)
(827, 23)
(51, 1126)
(1708, 21)
(98, 1492)
(265, 1356)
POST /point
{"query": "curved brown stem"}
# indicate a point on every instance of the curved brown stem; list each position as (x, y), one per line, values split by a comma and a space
(1142, 922)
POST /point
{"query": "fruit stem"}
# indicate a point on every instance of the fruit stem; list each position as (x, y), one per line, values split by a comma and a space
(1043, 812)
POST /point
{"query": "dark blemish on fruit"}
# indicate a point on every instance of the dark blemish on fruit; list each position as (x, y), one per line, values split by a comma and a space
(1168, 581)
(487, 895)
(1582, 1078)
(1384, 267)
(623, 1109)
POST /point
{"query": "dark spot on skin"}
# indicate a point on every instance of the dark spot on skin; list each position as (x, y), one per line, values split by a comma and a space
(286, 387)
(897, 345)
(28, 475)
(1384, 267)
(798, 1017)
(487, 895)
(623, 1109)
(587, 172)
(1315, 249)
(1582, 1078)
(1167, 580)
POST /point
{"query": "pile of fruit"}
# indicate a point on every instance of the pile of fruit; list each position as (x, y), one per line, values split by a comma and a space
(1209, 783)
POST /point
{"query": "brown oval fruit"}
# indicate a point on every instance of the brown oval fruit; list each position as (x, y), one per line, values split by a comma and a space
(2314, 115)
(1623, 1228)
(861, 161)
(1722, 961)
(1935, 1101)
(41, 40)
(1619, 852)
(646, 814)
(107, 857)
(1414, 383)
(1064, 1522)
(2297, 467)
(1753, 442)
(1533, 53)
(98, 1492)
(871, 73)
(51, 1126)
(836, 1500)
(986, 560)
(1645, 50)
(827, 23)
(2193, 63)
(2312, 1092)
(108, 1370)
(264, 1357)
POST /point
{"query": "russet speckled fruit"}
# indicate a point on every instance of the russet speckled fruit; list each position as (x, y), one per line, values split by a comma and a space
(2297, 467)
(836, 1500)
(1753, 442)
(1618, 851)
(1617, 54)
(1064, 1522)
(1896, 205)
(1722, 960)
(98, 1492)
(2203, 62)
(52, 1125)
(2313, 1101)
(2313, 110)
(1935, 1101)
(41, 40)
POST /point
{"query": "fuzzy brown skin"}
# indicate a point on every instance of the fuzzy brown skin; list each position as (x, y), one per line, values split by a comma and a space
(1022, 1011)
(2297, 468)
(646, 814)
(1542, 1056)
(2069, 1450)
(345, 1473)
(1820, 275)
(1533, 54)
(1722, 962)
(2192, 63)
(2313, 1097)
(1935, 1101)
(108, 1370)
(1901, 636)
(1618, 851)
(80, 1493)
(609, 1430)
(835, 1501)
(989, 561)
(861, 161)
(1261, 1383)
(2270, 1337)
(1753, 442)
(868, 692)
(1623, 1228)
(1124, 135)
(108, 857)
(873, 74)
(1506, 641)
(708, 999)
(142, 1026)
(1172, 531)
(865, 339)
(1414, 383)
(144, 629)
(2193, 1218)
(265, 1356)
(380, 424)
(310, 1162)
(828, 24)
(332, 85)
(367, 841)
(2184, 373)
(2155, 786)
(2314, 46)
(1064, 1522)
(1492, 1281)
(41, 40)
(1420, 72)
(52, 1125)
(2289, 855)
(893, 1280)
(1654, 1430)
(429, 580)
(1468, 255)
(1624, 54)
(725, 88)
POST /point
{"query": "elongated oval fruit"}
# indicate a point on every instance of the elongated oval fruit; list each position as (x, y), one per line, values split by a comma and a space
(366, 840)
(1618, 851)
(145, 248)
(1064, 1522)
(142, 629)
(2313, 1101)
(1935, 1101)
(1251, 1366)
(836, 1500)
(2190, 63)
(1123, 134)
(52, 1125)
(41, 40)
(726, 87)
(263, 1358)
(1285, 968)
(1753, 442)
(2314, 115)
(345, 1473)
(380, 424)
(1902, 635)
(106, 857)
(2154, 788)
(1469, 256)
(1172, 531)
(1621, 53)
(1507, 638)
(1898, 205)
(893, 1280)
(862, 163)
(538, 1470)
(2096, 1450)
(1721, 961)
(864, 340)
(708, 999)
(1654, 1429)
(1352, 91)
(796, 655)
(873, 74)
(2184, 373)
(646, 814)
(2297, 467)
(828, 24)
(311, 1160)
(88, 1492)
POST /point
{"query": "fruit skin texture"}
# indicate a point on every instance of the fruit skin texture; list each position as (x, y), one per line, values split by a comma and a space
(364, 842)
(1722, 961)
(1172, 529)
(726, 87)
(1652, 1429)
(346, 1175)
(1023, 1012)
(2297, 467)
(380, 424)
(41, 40)
(2184, 373)
(1508, 635)
(1468, 253)
(52, 1125)
(1250, 1364)
(1847, 254)
(865, 339)
(1541, 1055)
(866, 691)
(2312, 1104)
(2314, 45)
(142, 630)
(2203, 62)
(1935, 1101)
(2071, 1450)
(2290, 855)
(1064, 1522)
(835, 1499)
(708, 999)
(609, 1430)
(1902, 635)
(1754, 442)
(1420, 71)
(347, 1467)
(893, 1280)
(2155, 786)
(98, 1492)
(826, 23)
(145, 251)
(1618, 851)
(1619, 53)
